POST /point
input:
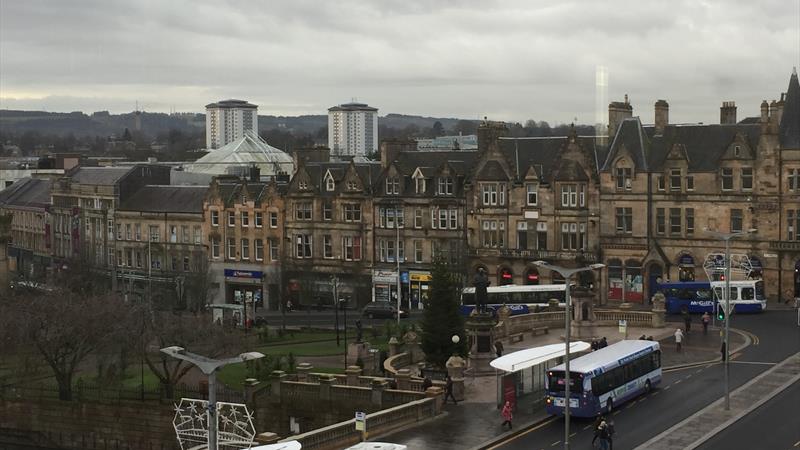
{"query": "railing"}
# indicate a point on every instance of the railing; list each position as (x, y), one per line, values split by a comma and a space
(396, 362)
(641, 318)
(350, 393)
(398, 397)
(524, 322)
(343, 434)
(292, 389)
(91, 392)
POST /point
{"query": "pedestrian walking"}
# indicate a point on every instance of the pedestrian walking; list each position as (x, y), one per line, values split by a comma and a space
(706, 320)
(678, 339)
(498, 348)
(601, 436)
(448, 391)
(610, 432)
(603, 343)
(722, 350)
(687, 321)
(507, 415)
(426, 383)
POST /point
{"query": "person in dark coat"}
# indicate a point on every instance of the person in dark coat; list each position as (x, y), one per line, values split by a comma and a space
(498, 348)
(687, 322)
(426, 383)
(448, 391)
(603, 343)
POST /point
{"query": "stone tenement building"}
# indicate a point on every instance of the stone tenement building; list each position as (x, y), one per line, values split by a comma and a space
(663, 185)
(641, 206)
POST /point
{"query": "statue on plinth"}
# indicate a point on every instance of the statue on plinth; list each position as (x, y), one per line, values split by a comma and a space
(481, 282)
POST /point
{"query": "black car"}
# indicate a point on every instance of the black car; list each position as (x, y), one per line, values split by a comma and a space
(382, 310)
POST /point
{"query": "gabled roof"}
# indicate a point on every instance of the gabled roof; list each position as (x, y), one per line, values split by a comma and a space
(543, 155)
(705, 145)
(101, 176)
(367, 172)
(789, 130)
(27, 193)
(177, 199)
(632, 137)
(459, 161)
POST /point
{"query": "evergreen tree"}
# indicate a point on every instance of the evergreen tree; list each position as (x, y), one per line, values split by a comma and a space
(442, 319)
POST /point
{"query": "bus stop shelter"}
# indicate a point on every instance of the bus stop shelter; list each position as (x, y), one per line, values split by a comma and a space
(522, 373)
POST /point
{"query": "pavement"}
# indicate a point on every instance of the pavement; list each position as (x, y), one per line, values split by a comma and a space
(475, 422)
(706, 423)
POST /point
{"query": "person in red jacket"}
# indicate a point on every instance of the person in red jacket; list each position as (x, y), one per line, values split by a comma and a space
(507, 415)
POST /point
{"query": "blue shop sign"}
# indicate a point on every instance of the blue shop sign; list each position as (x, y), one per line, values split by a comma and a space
(404, 277)
(235, 273)
(686, 261)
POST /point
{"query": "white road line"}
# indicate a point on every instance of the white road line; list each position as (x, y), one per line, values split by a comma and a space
(677, 381)
(555, 443)
(587, 426)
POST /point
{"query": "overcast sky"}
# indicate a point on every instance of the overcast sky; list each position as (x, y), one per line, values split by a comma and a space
(506, 59)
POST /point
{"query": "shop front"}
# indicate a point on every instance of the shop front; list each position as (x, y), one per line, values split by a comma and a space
(244, 287)
(419, 283)
(686, 267)
(384, 285)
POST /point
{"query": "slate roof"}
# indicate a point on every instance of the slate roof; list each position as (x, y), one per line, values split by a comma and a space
(175, 199)
(789, 130)
(27, 193)
(704, 144)
(460, 161)
(543, 155)
(367, 172)
(102, 176)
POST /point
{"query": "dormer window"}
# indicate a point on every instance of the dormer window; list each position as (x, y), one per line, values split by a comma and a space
(445, 186)
(675, 179)
(392, 186)
(330, 185)
(727, 179)
(419, 185)
(302, 185)
(352, 186)
(624, 178)
(737, 151)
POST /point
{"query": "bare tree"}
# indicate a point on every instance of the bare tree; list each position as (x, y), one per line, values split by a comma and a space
(194, 332)
(198, 286)
(65, 328)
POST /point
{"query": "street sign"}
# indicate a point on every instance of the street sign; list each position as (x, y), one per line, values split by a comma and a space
(361, 421)
(623, 326)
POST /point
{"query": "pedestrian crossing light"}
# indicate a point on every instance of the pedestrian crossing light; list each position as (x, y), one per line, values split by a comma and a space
(721, 313)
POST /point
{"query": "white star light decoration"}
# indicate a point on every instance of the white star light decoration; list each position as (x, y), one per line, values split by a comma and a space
(235, 428)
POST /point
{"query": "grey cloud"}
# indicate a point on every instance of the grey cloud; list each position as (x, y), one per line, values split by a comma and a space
(507, 59)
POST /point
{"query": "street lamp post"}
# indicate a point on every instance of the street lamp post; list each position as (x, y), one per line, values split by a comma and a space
(397, 212)
(335, 285)
(209, 367)
(727, 238)
(567, 273)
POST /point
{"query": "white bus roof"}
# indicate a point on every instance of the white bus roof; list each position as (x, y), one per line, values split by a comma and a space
(518, 288)
(516, 361)
(610, 356)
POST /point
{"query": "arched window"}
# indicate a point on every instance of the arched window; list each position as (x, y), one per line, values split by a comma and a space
(532, 276)
(505, 276)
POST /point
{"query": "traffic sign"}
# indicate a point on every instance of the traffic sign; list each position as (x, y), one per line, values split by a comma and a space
(361, 421)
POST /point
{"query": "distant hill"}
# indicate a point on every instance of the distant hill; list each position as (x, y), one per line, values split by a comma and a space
(104, 124)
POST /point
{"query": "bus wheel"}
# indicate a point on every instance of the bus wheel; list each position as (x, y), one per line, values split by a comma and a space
(610, 405)
(647, 387)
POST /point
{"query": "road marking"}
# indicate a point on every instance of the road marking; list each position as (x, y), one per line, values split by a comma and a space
(555, 443)
(616, 412)
(677, 382)
(587, 427)
(735, 355)
(686, 377)
(656, 393)
(517, 436)
(754, 362)
(796, 444)
(667, 387)
(573, 434)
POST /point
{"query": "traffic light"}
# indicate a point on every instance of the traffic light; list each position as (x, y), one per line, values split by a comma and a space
(720, 313)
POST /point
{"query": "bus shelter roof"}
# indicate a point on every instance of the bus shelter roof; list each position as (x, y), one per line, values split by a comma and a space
(523, 359)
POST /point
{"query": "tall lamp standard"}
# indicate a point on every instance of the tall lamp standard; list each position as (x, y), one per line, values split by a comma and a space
(727, 238)
(209, 367)
(335, 286)
(567, 273)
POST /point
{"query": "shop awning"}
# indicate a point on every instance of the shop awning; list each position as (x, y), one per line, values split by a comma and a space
(516, 361)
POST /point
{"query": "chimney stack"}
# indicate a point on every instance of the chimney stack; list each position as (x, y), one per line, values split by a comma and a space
(617, 112)
(727, 113)
(662, 116)
(764, 112)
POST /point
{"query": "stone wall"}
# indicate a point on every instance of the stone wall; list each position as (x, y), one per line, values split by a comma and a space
(76, 425)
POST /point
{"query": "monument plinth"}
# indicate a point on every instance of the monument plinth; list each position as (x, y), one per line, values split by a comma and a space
(479, 327)
(582, 325)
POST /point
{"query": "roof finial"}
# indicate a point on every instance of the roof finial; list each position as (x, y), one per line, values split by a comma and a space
(794, 70)
(626, 99)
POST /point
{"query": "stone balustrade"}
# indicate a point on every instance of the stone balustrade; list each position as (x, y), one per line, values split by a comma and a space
(343, 434)
(634, 318)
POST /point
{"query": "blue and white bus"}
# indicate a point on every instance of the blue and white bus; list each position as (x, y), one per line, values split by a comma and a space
(691, 296)
(747, 296)
(520, 299)
(605, 378)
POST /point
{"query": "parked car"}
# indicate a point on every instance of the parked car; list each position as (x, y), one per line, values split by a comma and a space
(382, 310)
